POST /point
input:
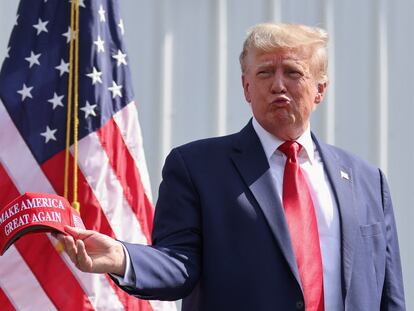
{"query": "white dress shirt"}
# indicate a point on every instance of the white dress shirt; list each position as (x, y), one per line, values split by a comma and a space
(323, 201)
(128, 278)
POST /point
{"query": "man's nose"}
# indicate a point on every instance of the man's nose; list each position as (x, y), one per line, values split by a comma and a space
(278, 84)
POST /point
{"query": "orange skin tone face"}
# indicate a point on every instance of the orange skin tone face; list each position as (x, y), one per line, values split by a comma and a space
(282, 90)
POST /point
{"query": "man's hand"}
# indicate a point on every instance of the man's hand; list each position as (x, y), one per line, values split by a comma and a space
(92, 251)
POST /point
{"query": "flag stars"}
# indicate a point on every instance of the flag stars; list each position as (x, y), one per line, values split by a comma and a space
(89, 110)
(49, 134)
(33, 59)
(115, 89)
(63, 67)
(17, 20)
(25, 92)
(100, 44)
(120, 58)
(68, 33)
(7, 52)
(102, 12)
(121, 26)
(41, 26)
(56, 101)
(95, 75)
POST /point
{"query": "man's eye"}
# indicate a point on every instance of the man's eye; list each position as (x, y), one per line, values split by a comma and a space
(295, 73)
(264, 73)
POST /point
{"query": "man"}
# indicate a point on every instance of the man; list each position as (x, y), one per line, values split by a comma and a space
(269, 218)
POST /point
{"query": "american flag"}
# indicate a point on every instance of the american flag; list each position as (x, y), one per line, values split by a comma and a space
(113, 182)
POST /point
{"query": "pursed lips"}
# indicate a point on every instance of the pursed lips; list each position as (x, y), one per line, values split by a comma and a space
(281, 101)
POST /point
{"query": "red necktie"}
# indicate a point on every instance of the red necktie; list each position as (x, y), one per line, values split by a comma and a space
(303, 228)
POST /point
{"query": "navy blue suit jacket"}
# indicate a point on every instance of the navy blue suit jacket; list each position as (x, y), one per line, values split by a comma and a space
(221, 242)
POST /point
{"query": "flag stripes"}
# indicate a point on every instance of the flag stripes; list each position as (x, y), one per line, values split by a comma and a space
(127, 173)
(96, 286)
(14, 153)
(116, 208)
(27, 295)
(6, 304)
(91, 191)
(127, 121)
(92, 212)
(45, 264)
(113, 182)
(53, 274)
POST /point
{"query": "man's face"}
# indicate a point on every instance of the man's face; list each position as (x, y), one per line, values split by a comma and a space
(282, 90)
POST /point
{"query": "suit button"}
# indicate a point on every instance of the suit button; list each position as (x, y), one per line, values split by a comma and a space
(299, 305)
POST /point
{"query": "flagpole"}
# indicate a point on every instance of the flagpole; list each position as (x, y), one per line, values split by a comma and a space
(75, 202)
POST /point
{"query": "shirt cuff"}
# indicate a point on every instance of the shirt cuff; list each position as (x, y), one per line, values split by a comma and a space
(128, 278)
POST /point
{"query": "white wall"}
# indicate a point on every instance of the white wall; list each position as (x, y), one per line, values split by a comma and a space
(184, 60)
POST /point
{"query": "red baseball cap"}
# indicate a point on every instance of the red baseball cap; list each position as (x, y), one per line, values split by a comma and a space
(35, 212)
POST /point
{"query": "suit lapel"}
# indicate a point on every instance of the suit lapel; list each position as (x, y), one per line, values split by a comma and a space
(251, 162)
(341, 178)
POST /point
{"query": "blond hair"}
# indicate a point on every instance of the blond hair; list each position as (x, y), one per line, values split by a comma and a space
(268, 37)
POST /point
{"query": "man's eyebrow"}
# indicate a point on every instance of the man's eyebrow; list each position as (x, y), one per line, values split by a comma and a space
(264, 64)
(294, 63)
(297, 61)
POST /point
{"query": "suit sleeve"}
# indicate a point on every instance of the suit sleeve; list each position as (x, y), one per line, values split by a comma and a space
(393, 291)
(170, 268)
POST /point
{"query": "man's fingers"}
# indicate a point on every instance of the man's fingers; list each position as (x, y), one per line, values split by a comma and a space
(70, 247)
(76, 252)
(78, 233)
(84, 262)
(59, 237)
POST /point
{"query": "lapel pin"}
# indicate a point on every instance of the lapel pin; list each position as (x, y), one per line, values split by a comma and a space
(344, 175)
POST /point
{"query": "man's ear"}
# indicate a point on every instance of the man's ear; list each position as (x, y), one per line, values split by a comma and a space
(246, 85)
(321, 92)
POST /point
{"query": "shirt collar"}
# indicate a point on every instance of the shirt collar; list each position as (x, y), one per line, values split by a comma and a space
(270, 142)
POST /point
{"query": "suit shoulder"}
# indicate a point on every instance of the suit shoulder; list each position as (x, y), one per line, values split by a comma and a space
(202, 156)
(207, 145)
(351, 159)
